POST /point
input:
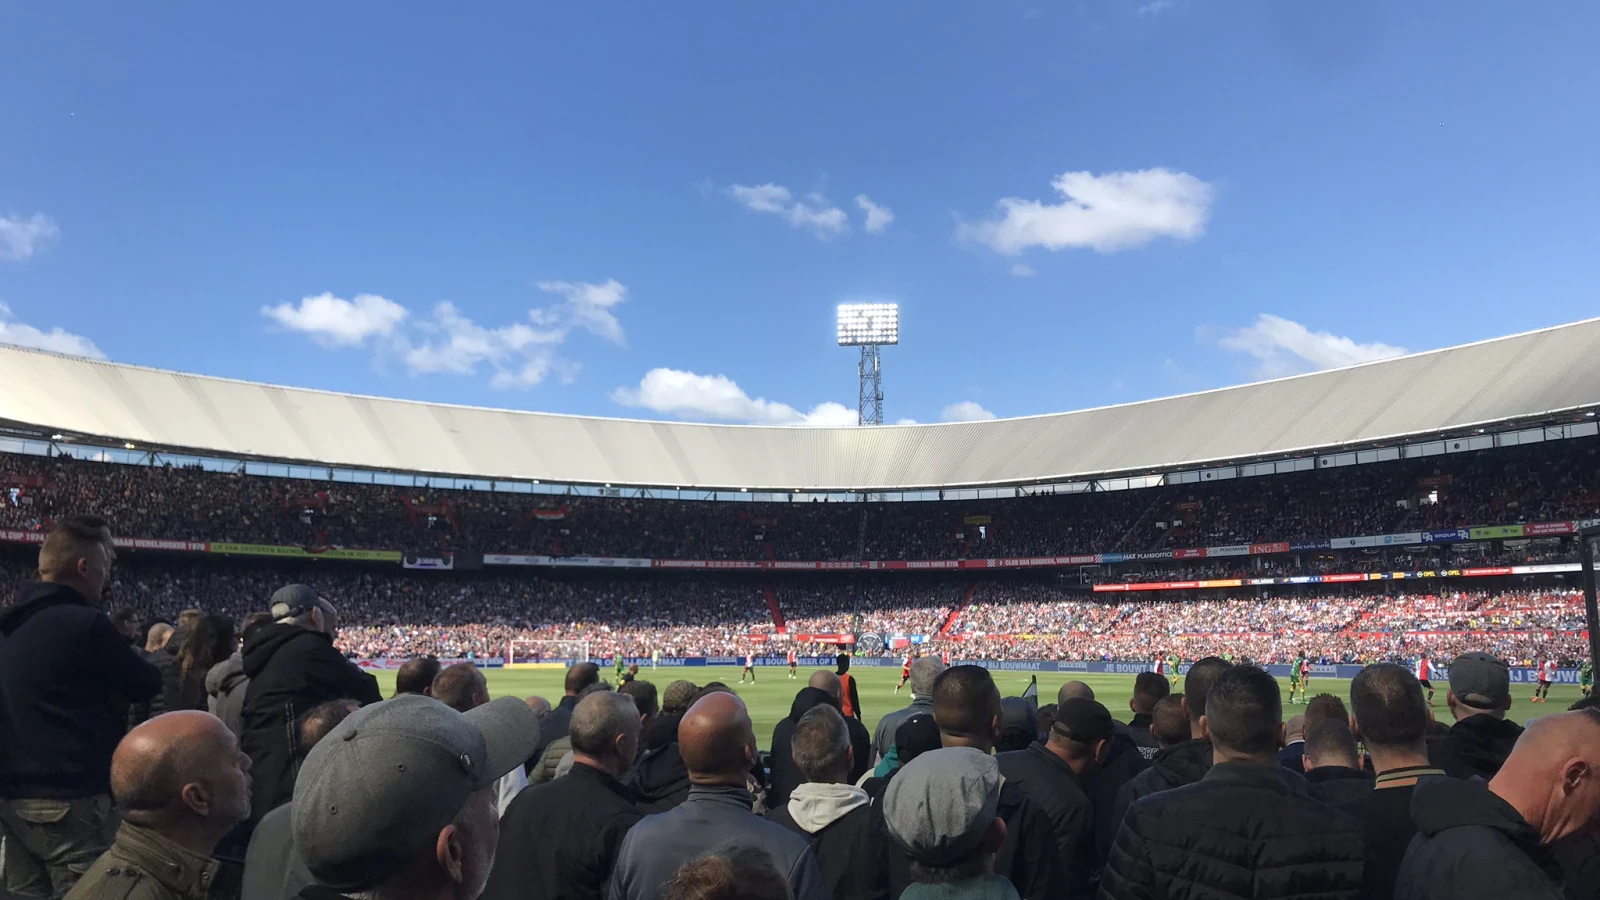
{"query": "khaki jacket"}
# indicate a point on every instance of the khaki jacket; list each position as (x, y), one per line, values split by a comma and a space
(143, 865)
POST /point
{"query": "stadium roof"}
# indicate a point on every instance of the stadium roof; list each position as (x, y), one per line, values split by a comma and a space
(1529, 377)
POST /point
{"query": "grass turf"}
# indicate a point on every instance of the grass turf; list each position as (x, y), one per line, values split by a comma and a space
(769, 698)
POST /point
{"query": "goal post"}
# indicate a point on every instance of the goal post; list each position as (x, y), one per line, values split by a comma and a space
(532, 654)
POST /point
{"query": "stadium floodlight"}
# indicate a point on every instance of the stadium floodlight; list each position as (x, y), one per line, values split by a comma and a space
(869, 324)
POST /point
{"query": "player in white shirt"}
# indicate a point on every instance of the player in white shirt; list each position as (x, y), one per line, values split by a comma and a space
(749, 667)
(1159, 666)
(1425, 669)
(1547, 674)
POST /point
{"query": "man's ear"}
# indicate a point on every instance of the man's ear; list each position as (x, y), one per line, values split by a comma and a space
(1205, 728)
(1356, 730)
(850, 756)
(1283, 735)
(995, 837)
(1131, 707)
(451, 853)
(197, 797)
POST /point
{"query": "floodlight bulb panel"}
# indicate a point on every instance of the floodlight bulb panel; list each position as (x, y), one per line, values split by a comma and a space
(869, 324)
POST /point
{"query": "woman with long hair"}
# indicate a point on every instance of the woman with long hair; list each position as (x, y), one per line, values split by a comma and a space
(210, 641)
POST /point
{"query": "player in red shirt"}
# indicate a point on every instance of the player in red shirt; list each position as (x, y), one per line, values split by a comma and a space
(1425, 669)
(1547, 674)
(905, 672)
(792, 662)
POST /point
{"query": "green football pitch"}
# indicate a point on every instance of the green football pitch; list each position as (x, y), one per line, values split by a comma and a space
(769, 698)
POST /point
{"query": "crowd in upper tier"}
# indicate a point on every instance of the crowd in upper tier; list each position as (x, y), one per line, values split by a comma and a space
(1553, 481)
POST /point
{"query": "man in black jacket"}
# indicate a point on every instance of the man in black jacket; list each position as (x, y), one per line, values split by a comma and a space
(560, 838)
(1050, 774)
(1482, 738)
(1185, 763)
(1333, 766)
(1122, 762)
(292, 666)
(834, 815)
(66, 676)
(1241, 831)
(1148, 689)
(822, 688)
(554, 726)
(1494, 841)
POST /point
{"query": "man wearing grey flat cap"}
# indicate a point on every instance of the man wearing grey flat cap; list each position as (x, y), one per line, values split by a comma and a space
(942, 810)
(399, 799)
(1482, 738)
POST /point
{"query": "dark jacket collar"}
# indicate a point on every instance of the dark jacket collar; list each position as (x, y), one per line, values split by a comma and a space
(586, 772)
(721, 795)
(35, 598)
(1056, 763)
(1140, 720)
(567, 702)
(1336, 773)
(1263, 775)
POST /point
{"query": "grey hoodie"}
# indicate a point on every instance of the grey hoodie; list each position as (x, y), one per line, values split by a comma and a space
(816, 806)
(225, 687)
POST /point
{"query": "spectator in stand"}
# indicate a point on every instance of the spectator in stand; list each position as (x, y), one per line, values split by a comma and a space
(273, 869)
(156, 640)
(539, 705)
(719, 748)
(208, 642)
(181, 784)
(1051, 774)
(835, 816)
(1293, 754)
(555, 725)
(561, 838)
(943, 812)
(733, 871)
(1148, 689)
(966, 707)
(292, 666)
(823, 688)
(226, 682)
(916, 735)
(66, 677)
(1240, 831)
(1482, 737)
(924, 669)
(1120, 764)
(398, 800)
(1185, 763)
(1019, 725)
(1389, 714)
(644, 697)
(1495, 840)
(463, 688)
(126, 621)
(1333, 766)
(559, 750)
(1169, 723)
(415, 676)
(849, 697)
(660, 777)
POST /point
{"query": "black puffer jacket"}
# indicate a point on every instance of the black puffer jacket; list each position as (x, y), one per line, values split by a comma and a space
(1472, 844)
(1476, 745)
(1241, 832)
(1050, 783)
(1339, 787)
(660, 779)
(1125, 761)
(1173, 767)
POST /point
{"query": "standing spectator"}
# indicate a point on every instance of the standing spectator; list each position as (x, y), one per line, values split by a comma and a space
(65, 677)
(966, 707)
(1103, 784)
(415, 676)
(734, 871)
(1051, 774)
(1390, 716)
(166, 660)
(181, 784)
(559, 751)
(659, 777)
(463, 688)
(1333, 766)
(226, 683)
(849, 697)
(834, 815)
(923, 671)
(156, 639)
(292, 666)
(1240, 831)
(644, 697)
(1019, 725)
(1185, 763)
(554, 726)
(823, 688)
(1148, 689)
(1482, 738)
(1169, 723)
(561, 838)
(943, 811)
(126, 622)
(916, 735)
(719, 748)
(1477, 840)
(210, 641)
(398, 800)
(1293, 754)
(273, 870)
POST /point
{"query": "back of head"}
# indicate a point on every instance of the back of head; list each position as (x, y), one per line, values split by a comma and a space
(1081, 728)
(1295, 728)
(1390, 711)
(821, 746)
(1331, 743)
(416, 676)
(1197, 684)
(1325, 707)
(732, 871)
(321, 719)
(461, 687)
(1074, 689)
(644, 696)
(678, 696)
(1169, 724)
(716, 739)
(1148, 689)
(254, 621)
(1553, 774)
(1480, 684)
(844, 663)
(823, 680)
(209, 641)
(77, 552)
(1019, 724)
(941, 809)
(966, 705)
(1047, 717)
(916, 735)
(581, 676)
(299, 604)
(157, 636)
(188, 618)
(924, 671)
(1244, 713)
(605, 727)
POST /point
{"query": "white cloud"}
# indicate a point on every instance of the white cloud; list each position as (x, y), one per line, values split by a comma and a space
(965, 411)
(1157, 7)
(1283, 347)
(586, 306)
(1110, 212)
(716, 397)
(1022, 270)
(336, 322)
(814, 213)
(21, 237)
(878, 217)
(905, 421)
(55, 340)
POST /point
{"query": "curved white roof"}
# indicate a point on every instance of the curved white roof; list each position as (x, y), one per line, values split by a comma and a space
(1523, 377)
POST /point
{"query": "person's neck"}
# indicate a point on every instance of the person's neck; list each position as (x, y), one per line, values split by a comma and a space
(610, 765)
(1387, 759)
(1220, 755)
(726, 779)
(1528, 799)
(950, 740)
(195, 835)
(77, 584)
(1195, 733)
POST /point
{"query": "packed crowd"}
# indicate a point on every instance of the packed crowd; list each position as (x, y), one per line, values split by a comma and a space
(1546, 482)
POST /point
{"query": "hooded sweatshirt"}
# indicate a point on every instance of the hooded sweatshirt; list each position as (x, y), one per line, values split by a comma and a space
(1476, 745)
(785, 774)
(837, 820)
(225, 687)
(1470, 843)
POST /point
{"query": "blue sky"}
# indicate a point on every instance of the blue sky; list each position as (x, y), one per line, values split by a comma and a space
(652, 209)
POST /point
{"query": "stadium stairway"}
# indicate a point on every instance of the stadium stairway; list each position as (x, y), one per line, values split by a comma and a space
(955, 611)
(778, 623)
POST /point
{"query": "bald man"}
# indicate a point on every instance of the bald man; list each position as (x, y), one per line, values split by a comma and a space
(719, 747)
(182, 784)
(823, 688)
(463, 688)
(1495, 840)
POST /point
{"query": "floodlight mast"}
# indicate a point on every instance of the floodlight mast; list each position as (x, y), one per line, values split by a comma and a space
(869, 326)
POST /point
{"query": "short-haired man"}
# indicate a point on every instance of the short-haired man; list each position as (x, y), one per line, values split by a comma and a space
(66, 678)
(1482, 738)
(415, 676)
(126, 621)
(1293, 754)
(463, 688)
(1051, 775)
(1479, 841)
(1390, 715)
(292, 666)
(719, 749)
(181, 784)
(1148, 689)
(398, 800)
(561, 838)
(554, 726)
(1333, 766)
(659, 777)
(1187, 762)
(823, 688)
(966, 707)
(924, 669)
(942, 811)
(1169, 722)
(1240, 831)
(830, 812)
